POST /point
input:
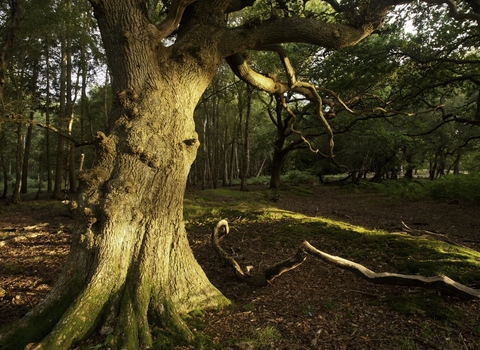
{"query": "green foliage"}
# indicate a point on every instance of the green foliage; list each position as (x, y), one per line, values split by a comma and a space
(456, 187)
(464, 188)
(297, 177)
(403, 189)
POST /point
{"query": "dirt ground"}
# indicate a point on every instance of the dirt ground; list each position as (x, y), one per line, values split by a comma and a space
(314, 307)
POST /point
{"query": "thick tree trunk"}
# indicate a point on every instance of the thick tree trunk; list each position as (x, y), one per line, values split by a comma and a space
(130, 264)
(130, 252)
(277, 165)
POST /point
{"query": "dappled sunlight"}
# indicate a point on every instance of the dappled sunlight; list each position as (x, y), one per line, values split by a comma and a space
(394, 251)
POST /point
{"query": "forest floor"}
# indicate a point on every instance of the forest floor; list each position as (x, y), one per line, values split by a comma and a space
(315, 306)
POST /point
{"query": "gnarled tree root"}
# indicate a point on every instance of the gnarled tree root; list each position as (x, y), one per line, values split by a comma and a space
(442, 283)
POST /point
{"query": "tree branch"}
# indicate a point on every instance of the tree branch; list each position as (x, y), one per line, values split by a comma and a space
(75, 142)
(273, 86)
(436, 282)
(171, 22)
(453, 10)
(221, 230)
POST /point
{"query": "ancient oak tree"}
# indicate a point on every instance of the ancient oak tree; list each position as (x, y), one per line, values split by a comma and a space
(130, 265)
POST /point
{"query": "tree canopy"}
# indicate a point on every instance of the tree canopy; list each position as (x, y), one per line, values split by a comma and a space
(370, 75)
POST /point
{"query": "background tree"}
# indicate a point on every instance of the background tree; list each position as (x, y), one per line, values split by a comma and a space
(130, 265)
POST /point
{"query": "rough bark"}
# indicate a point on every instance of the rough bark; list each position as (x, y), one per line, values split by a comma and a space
(130, 264)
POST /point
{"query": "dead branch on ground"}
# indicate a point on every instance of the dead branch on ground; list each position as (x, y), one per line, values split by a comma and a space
(442, 283)
(431, 235)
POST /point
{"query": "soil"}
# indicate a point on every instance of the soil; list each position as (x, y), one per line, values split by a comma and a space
(316, 306)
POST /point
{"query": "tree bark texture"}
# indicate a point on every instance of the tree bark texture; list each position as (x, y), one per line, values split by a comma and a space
(130, 264)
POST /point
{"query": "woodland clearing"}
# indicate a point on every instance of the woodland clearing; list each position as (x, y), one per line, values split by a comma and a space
(315, 306)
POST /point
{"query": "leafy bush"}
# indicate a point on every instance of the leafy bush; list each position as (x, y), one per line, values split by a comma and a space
(455, 187)
(405, 189)
(448, 188)
(297, 177)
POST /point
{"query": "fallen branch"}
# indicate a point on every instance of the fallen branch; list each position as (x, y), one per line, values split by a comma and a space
(430, 234)
(222, 229)
(436, 282)
(442, 283)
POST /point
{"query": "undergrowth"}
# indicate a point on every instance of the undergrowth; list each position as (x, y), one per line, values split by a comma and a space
(465, 188)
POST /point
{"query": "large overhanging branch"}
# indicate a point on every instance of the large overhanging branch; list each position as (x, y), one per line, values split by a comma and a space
(273, 86)
(442, 283)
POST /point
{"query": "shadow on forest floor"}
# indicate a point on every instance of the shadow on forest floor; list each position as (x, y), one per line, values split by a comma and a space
(315, 306)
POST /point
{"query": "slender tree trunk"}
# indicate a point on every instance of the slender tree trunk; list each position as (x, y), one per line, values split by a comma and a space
(206, 154)
(60, 158)
(246, 143)
(433, 168)
(216, 146)
(279, 153)
(278, 160)
(260, 170)
(11, 29)
(28, 139)
(40, 177)
(26, 156)
(71, 100)
(4, 166)
(19, 161)
(456, 164)
(47, 121)
(409, 166)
